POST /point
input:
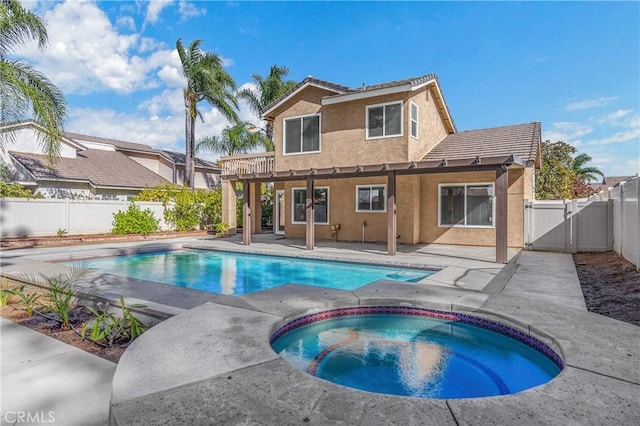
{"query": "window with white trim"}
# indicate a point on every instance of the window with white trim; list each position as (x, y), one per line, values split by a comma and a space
(371, 198)
(320, 205)
(384, 120)
(302, 134)
(414, 120)
(466, 205)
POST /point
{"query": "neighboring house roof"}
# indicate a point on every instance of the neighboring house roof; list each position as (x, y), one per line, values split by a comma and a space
(179, 158)
(522, 140)
(610, 182)
(97, 167)
(175, 157)
(345, 94)
(17, 125)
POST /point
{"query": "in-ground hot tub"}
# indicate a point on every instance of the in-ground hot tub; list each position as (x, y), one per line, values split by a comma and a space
(416, 352)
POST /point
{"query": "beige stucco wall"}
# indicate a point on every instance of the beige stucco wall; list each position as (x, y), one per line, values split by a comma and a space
(343, 135)
(150, 161)
(417, 209)
(432, 233)
(431, 129)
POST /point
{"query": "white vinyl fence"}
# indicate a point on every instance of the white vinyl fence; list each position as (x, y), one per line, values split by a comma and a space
(607, 221)
(31, 217)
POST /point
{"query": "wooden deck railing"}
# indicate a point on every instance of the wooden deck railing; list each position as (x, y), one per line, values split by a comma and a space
(248, 163)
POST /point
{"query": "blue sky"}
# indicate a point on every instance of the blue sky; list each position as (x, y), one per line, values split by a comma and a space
(573, 66)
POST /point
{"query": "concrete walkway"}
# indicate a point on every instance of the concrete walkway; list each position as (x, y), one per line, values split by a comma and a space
(41, 375)
(47, 381)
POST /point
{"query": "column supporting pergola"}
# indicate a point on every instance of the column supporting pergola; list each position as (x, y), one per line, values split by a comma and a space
(502, 188)
(246, 213)
(310, 235)
(391, 214)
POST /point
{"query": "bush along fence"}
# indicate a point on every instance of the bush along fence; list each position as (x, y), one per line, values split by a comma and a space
(604, 222)
(29, 217)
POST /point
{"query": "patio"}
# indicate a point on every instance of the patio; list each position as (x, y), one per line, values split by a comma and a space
(213, 363)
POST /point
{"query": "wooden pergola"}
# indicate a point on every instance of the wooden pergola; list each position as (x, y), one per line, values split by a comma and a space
(499, 165)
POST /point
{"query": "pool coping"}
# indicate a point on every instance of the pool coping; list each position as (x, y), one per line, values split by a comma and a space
(224, 370)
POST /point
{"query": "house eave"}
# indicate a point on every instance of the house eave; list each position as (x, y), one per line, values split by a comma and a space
(330, 100)
(265, 114)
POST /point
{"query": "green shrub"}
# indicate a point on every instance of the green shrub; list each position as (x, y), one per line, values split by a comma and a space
(108, 327)
(16, 190)
(185, 209)
(134, 221)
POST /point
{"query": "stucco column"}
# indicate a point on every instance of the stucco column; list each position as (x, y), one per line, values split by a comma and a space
(246, 213)
(256, 207)
(229, 205)
(392, 222)
(310, 236)
(502, 188)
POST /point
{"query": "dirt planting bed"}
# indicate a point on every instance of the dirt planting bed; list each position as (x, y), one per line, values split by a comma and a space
(610, 285)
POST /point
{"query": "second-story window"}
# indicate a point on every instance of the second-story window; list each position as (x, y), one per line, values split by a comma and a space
(414, 120)
(302, 134)
(384, 120)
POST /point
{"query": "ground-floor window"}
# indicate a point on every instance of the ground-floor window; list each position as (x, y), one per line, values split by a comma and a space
(370, 198)
(466, 205)
(320, 205)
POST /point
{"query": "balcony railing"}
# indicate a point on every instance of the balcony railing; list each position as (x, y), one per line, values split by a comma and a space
(248, 163)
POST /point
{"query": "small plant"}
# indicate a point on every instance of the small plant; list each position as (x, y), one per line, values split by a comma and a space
(28, 300)
(106, 326)
(222, 229)
(134, 221)
(5, 293)
(62, 290)
(61, 232)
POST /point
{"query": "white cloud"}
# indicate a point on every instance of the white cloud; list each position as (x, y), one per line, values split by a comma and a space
(189, 10)
(154, 9)
(618, 137)
(87, 53)
(567, 131)
(126, 22)
(589, 103)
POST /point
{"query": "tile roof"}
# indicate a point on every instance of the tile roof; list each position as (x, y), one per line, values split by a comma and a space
(521, 140)
(120, 144)
(178, 158)
(101, 168)
(344, 90)
(609, 182)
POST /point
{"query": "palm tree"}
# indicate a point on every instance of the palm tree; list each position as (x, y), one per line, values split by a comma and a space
(206, 81)
(585, 173)
(268, 90)
(23, 88)
(236, 139)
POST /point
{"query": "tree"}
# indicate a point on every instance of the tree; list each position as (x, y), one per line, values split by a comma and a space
(585, 173)
(236, 139)
(23, 88)
(556, 177)
(206, 81)
(268, 90)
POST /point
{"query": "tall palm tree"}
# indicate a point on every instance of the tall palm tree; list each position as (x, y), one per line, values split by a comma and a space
(585, 173)
(236, 139)
(23, 88)
(268, 90)
(206, 81)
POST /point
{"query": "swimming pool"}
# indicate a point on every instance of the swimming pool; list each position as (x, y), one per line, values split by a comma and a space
(240, 273)
(416, 352)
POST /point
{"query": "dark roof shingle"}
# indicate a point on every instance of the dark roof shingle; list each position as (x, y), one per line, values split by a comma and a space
(101, 168)
(521, 140)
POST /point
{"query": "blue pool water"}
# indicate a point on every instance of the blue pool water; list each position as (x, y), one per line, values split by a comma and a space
(236, 273)
(415, 356)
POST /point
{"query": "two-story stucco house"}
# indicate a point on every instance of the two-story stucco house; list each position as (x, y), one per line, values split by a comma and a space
(386, 163)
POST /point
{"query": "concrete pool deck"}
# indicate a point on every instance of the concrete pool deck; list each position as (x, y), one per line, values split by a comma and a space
(213, 363)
